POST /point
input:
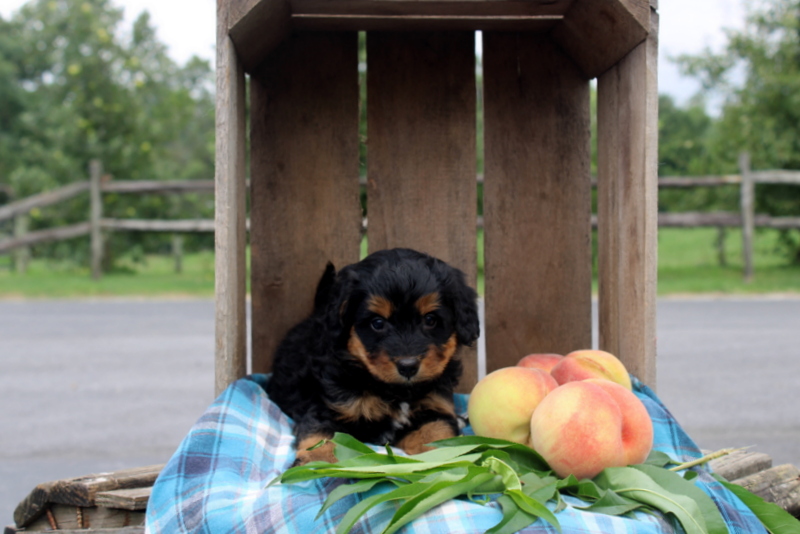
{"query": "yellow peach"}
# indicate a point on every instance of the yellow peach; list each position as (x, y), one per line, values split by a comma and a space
(501, 404)
(583, 364)
(544, 361)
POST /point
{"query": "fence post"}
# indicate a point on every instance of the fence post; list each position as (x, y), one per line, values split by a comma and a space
(177, 252)
(23, 254)
(95, 214)
(747, 202)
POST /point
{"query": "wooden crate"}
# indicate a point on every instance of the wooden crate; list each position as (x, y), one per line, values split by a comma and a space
(103, 503)
(539, 57)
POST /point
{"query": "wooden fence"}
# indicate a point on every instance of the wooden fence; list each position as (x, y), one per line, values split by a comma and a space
(746, 218)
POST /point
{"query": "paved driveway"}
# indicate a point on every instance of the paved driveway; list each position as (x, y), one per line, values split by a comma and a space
(93, 386)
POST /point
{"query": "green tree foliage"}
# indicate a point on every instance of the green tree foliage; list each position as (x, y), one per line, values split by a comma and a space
(758, 76)
(686, 137)
(81, 90)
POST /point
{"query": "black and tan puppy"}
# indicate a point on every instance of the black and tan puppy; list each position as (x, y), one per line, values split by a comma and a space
(377, 358)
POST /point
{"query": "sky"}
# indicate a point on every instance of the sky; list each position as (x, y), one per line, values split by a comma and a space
(187, 27)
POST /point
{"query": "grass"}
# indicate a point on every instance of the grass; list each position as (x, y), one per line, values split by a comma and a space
(688, 263)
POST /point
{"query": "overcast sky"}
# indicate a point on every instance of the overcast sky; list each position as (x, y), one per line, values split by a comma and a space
(686, 26)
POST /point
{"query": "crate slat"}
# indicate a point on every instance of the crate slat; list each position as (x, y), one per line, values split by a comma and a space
(537, 200)
(304, 179)
(421, 150)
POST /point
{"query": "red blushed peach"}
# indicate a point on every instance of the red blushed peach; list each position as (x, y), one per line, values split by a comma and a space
(543, 361)
(584, 426)
(583, 364)
(501, 404)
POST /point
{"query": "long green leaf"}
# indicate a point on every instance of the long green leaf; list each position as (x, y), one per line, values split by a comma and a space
(404, 492)
(659, 459)
(774, 518)
(346, 446)
(635, 484)
(342, 491)
(514, 519)
(444, 454)
(610, 503)
(675, 483)
(533, 507)
(435, 495)
(527, 458)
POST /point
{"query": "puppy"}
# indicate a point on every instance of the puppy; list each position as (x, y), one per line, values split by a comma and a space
(378, 357)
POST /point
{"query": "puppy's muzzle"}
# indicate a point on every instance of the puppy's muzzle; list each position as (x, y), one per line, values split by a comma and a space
(407, 367)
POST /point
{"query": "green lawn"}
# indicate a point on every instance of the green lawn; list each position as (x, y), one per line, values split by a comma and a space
(687, 258)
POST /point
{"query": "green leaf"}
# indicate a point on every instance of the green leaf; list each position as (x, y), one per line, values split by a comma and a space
(675, 483)
(514, 519)
(444, 454)
(359, 486)
(353, 515)
(634, 484)
(507, 474)
(659, 459)
(610, 503)
(774, 518)
(531, 506)
(524, 456)
(435, 495)
(346, 446)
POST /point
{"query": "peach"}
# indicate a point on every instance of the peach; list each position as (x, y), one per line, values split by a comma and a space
(584, 426)
(583, 364)
(501, 404)
(543, 361)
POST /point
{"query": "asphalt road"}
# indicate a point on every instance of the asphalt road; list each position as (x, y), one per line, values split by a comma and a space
(93, 386)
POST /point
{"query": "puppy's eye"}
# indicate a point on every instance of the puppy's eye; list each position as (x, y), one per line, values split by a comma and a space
(378, 324)
(430, 320)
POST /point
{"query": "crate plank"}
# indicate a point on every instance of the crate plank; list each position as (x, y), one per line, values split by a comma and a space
(598, 34)
(73, 517)
(230, 317)
(125, 499)
(740, 464)
(537, 200)
(779, 484)
(421, 189)
(81, 491)
(305, 208)
(627, 207)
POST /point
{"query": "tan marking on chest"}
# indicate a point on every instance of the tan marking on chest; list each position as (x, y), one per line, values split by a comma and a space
(367, 407)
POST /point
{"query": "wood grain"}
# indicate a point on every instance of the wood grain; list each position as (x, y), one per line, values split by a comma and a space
(537, 200)
(305, 207)
(596, 34)
(627, 197)
(421, 188)
(230, 206)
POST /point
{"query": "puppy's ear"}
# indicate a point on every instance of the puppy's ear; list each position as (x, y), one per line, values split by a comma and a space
(464, 303)
(324, 289)
(341, 305)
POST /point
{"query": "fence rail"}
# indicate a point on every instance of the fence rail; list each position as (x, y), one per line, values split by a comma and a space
(745, 219)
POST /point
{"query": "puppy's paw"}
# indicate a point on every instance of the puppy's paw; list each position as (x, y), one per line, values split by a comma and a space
(416, 442)
(311, 450)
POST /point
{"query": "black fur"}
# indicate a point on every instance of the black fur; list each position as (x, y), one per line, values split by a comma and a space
(404, 375)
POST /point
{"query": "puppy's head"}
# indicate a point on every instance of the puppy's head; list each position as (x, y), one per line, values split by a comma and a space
(402, 315)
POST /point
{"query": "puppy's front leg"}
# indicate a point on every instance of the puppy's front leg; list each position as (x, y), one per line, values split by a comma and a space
(416, 441)
(309, 431)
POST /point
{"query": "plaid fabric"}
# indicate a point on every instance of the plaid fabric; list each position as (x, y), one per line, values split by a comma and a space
(216, 481)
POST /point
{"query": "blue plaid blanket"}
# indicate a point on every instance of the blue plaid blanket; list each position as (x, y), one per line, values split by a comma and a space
(216, 482)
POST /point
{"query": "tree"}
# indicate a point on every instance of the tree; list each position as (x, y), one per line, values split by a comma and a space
(85, 92)
(761, 113)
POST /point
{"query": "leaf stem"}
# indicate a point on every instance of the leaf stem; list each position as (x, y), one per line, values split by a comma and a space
(705, 459)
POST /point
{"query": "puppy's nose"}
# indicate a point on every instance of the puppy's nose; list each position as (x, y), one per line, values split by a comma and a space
(407, 367)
